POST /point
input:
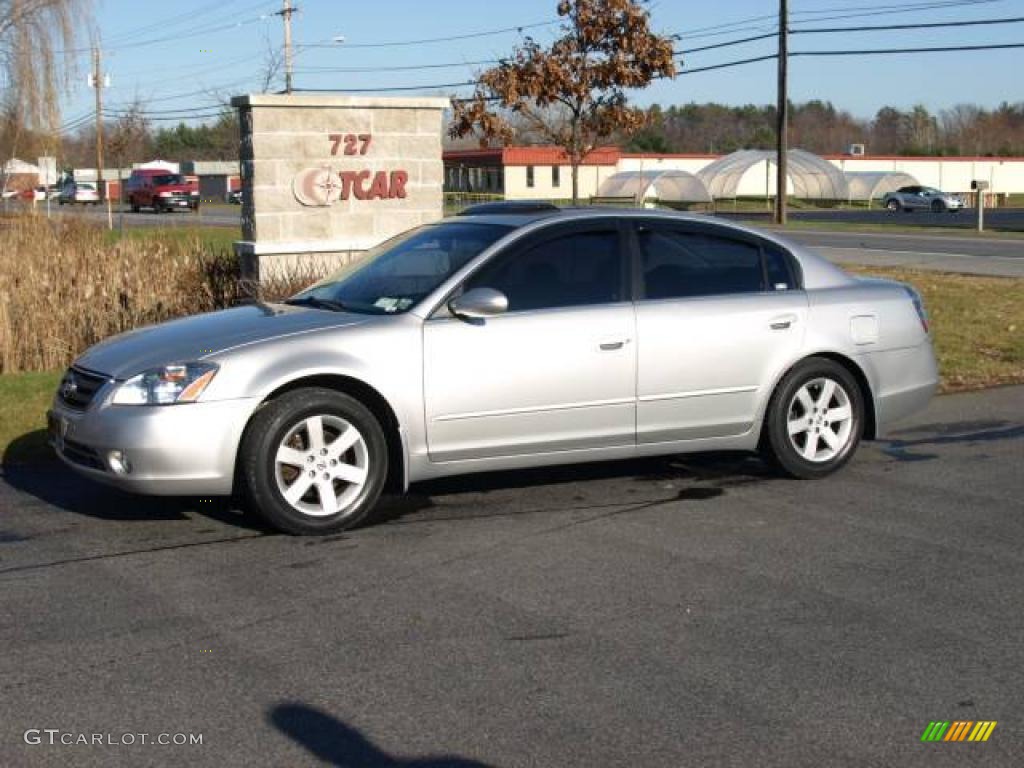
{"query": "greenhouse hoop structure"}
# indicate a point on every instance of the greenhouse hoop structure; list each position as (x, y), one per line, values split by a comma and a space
(871, 185)
(670, 186)
(812, 177)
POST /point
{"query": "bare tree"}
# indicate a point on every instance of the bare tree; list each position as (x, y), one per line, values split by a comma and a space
(273, 62)
(37, 47)
(572, 94)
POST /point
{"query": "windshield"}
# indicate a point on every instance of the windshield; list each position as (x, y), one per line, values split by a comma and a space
(397, 274)
(170, 178)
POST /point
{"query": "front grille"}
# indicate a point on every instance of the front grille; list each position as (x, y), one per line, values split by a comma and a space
(79, 453)
(79, 387)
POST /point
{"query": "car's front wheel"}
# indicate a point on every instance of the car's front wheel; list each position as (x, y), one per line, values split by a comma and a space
(314, 461)
(815, 419)
(938, 206)
(893, 204)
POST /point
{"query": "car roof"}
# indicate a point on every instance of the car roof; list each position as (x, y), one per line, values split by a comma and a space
(517, 220)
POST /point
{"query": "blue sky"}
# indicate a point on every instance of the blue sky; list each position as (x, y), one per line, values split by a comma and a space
(174, 56)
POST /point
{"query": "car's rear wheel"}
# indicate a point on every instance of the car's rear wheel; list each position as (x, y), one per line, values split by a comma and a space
(815, 419)
(893, 205)
(314, 461)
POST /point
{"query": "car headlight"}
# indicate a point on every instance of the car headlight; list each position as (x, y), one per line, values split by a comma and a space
(168, 385)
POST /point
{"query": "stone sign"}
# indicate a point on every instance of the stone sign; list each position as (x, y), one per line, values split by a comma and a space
(325, 178)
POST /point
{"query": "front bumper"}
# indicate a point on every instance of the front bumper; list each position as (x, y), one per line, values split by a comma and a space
(186, 450)
(171, 203)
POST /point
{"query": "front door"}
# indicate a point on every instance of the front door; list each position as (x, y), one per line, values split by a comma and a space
(557, 371)
(717, 318)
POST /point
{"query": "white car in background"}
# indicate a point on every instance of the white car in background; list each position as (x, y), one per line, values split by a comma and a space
(79, 192)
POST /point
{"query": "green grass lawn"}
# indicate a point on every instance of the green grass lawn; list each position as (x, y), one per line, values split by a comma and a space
(213, 238)
(24, 398)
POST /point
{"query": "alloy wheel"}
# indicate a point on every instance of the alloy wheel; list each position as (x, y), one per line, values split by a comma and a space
(321, 465)
(820, 420)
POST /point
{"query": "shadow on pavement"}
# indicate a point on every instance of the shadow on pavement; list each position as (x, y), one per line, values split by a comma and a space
(341, 745)
(42, 475)
(950, 433)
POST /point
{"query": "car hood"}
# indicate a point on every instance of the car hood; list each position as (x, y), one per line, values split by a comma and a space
(200, 336)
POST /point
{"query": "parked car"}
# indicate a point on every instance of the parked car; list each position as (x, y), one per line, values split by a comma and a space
(79, 192)
(498, 342)
(916, 198)
(235, 196)
(159, 190)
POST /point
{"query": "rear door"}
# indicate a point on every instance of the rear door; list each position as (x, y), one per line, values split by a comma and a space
(719, 315)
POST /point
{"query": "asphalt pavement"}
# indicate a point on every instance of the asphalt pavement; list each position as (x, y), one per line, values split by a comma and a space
(687, 611)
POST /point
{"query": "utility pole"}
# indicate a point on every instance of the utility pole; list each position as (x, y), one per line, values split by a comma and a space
(782, 116)
(286, 14)
(97, 83)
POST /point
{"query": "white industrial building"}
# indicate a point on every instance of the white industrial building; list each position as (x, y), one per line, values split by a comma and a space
(523, 173)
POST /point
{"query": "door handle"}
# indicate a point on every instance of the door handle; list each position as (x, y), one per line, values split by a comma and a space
(783, 322)
(608, 346)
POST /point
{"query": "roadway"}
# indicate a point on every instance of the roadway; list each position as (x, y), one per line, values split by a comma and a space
(679, 611)
(956, 252)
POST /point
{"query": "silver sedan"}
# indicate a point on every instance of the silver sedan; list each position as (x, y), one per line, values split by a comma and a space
(492, 342)
(917, 198)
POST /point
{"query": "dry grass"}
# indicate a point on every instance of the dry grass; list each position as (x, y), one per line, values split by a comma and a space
(65, 286)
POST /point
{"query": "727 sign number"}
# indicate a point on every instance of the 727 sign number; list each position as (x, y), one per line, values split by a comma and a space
(350, 140)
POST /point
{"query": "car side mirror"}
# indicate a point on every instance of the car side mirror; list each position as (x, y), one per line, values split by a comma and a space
(479, 303)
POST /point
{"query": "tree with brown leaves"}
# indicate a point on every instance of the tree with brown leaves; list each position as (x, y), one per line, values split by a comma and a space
(572, 94)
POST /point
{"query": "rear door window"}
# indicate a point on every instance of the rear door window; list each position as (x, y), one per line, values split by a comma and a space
(680, 264)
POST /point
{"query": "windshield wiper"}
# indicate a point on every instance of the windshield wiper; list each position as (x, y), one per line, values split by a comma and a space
(318, 303)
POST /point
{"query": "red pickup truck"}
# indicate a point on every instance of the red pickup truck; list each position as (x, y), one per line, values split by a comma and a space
(161, 190)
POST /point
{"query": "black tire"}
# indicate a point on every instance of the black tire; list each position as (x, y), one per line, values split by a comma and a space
(272, 425)
(893, 205)
(938, 206)
(157, 208)
(135, 206)
(781, 449)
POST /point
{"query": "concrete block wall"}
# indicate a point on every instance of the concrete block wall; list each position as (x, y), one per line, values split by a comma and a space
(286, 138)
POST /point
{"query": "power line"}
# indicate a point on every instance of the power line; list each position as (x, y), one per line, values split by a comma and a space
(177, 37)
(434, 87)
(728, 43)
(893, 27)
(893, 11)
(430, 40)
(930, 49)
(450, 65)
(728, 64)
(178, 118)
(172, 21)
(929, 5)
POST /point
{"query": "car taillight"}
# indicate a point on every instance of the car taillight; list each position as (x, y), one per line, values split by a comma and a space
(915, 298)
